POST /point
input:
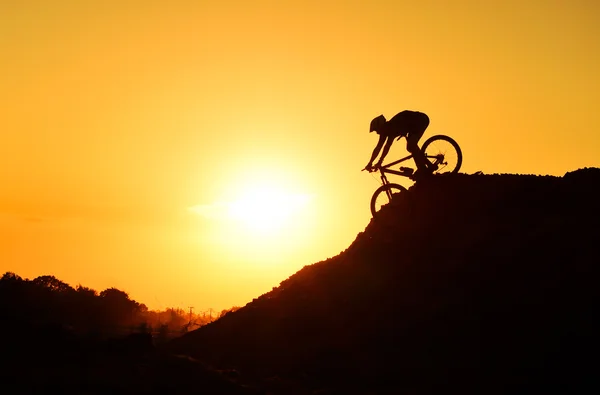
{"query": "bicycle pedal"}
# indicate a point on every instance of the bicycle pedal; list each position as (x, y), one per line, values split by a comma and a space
(407, 171)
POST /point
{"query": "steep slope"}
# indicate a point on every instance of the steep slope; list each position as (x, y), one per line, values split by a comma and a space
(487, 285)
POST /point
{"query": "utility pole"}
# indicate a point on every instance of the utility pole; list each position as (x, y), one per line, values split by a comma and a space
(191, 308)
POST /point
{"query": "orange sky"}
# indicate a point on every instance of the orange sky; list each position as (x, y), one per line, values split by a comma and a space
(130, 130)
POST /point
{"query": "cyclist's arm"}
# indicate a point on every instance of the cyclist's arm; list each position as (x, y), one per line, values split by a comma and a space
(376, 150)
(386, 149)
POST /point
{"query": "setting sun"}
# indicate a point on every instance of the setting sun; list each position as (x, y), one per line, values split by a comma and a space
(259, 210)
(267, 209)
(262, 227)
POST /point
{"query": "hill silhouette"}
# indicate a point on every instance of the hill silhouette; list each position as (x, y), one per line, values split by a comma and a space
(487, 285)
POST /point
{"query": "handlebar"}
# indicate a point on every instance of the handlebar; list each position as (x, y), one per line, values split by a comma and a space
(372, 169)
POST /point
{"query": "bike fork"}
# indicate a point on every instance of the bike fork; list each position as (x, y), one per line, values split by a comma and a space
(384, 181)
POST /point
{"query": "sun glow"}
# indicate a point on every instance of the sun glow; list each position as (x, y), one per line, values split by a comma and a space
(267, 209)
(260, 210)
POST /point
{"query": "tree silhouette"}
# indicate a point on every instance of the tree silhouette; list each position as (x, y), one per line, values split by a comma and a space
(118, 307)
(52, 283)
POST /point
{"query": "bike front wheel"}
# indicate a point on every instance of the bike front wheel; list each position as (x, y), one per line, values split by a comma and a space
(443, 152)
(391, 195)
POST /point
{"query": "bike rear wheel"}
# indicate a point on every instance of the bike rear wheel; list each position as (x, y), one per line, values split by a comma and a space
(391, 195)
(444, 152)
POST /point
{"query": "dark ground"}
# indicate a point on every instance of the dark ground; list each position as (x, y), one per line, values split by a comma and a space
(489, 285)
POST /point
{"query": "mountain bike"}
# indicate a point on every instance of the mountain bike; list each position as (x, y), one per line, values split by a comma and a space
(441, 151)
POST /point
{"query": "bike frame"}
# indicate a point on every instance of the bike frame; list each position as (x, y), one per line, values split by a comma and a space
(386, 169)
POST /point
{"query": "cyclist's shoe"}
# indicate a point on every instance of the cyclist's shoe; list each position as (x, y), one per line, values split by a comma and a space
(406, 171)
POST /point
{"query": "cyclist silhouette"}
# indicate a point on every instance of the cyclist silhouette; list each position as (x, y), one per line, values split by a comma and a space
(409, 124)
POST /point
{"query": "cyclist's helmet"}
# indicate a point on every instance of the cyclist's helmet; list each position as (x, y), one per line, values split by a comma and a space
(377, 123)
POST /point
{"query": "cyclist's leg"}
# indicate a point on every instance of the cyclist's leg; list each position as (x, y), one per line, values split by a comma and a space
(416, 129)
(412, 146)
